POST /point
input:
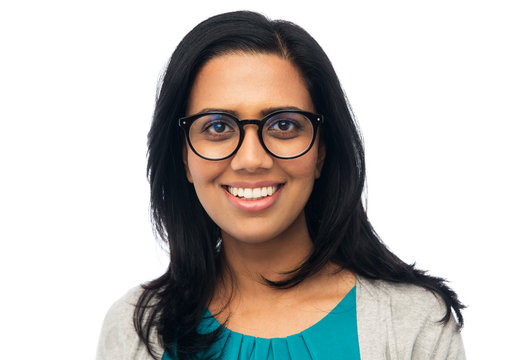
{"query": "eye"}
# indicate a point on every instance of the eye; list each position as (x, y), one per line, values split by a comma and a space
(286, 124)
(282, 125)
(217, 127)
(217, 124)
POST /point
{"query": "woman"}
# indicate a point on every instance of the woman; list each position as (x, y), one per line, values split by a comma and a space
(256, 171)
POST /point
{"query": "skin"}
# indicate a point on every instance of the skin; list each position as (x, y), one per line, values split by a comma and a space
(270, 241)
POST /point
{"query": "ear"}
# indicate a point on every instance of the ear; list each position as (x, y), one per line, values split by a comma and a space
(186, 166)
(322, 151)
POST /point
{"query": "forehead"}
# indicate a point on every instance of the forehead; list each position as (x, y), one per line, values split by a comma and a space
(246, 83)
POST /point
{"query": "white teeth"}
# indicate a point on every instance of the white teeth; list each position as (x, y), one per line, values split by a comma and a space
(252, 193)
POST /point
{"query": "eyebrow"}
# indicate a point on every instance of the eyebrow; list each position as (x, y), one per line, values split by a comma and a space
(263, 112)
(269, 110)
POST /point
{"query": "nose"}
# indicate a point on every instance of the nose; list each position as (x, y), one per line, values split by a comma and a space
(251, 156)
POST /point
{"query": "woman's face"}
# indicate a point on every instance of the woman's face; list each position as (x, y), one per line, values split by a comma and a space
(251, 86)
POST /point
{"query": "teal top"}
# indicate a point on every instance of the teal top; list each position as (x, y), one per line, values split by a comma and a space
(333, 337)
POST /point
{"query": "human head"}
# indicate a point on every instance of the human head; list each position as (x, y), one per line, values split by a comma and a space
(175, 206)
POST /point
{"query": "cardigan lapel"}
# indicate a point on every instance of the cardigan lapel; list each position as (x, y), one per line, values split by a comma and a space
(373, 321)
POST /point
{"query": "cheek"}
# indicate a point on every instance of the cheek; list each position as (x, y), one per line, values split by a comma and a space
(186, 161)
(302, 175)
(304, 167)
(199, 170)
(203, 173)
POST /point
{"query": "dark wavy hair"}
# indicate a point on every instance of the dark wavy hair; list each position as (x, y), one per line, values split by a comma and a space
(174, 304)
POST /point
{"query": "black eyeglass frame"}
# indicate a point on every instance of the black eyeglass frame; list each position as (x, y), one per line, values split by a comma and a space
(315, 119)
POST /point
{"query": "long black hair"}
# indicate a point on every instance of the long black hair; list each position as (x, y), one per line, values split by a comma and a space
(174, 304)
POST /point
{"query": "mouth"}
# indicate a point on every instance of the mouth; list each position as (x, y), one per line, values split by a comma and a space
(255, 193)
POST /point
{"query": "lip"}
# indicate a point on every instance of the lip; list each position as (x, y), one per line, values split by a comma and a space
(253, 185)
(253, 205)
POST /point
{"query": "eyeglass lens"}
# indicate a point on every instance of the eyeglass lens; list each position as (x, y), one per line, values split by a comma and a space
(216, 136)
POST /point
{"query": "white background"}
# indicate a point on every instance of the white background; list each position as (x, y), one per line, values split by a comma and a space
(431, 84)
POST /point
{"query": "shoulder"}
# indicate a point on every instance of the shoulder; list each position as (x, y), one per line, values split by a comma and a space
(402, 299)
(408, 319)
(118, 338)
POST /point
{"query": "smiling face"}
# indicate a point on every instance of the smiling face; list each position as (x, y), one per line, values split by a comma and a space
(252, 196)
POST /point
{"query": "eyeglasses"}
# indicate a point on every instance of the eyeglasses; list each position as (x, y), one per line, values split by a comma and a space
(285, 134)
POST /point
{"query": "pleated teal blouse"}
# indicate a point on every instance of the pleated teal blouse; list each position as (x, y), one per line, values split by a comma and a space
(333, 337)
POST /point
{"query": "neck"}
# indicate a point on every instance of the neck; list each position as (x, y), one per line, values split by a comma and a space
(248, 263)
(242, 293)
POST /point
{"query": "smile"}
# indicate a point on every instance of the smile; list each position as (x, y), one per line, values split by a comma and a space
(253, 197)
(252, 193)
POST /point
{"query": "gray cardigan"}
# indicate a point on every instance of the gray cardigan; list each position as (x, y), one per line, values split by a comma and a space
(394, 321)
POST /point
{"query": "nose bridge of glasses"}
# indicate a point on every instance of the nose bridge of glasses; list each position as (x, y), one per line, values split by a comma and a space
(251, 152)
(243, 123)
(250, 122)
(253, 133)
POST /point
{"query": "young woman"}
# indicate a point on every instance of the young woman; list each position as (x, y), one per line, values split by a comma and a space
(256, 171)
